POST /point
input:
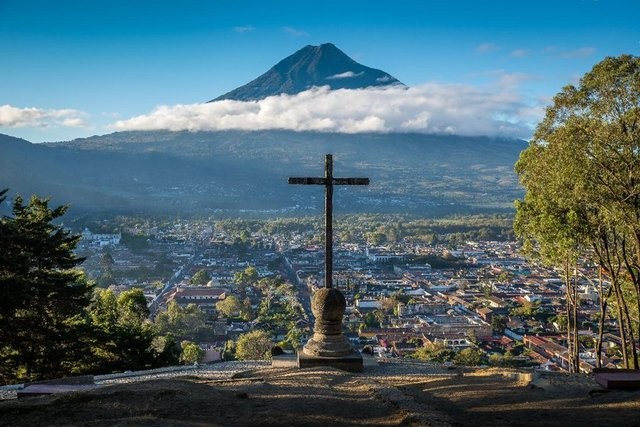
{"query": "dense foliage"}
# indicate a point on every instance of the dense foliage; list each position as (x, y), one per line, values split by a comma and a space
(581, 173)
(44, 327)
(54, 323)
(254, 345)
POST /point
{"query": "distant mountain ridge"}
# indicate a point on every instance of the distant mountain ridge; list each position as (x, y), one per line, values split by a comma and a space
(323, 65)
(231, 172)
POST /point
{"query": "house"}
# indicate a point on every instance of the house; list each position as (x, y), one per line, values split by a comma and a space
(485, 313)
(382, 255)
(203, 297)
(100, 240)
(453, 341)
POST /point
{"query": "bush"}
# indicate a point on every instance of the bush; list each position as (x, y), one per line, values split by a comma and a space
(254, 345)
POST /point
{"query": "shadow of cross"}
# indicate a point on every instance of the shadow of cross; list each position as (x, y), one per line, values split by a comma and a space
(328, 181)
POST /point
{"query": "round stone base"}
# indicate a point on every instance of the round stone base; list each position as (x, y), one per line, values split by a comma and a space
(328, 346)
(328, 306)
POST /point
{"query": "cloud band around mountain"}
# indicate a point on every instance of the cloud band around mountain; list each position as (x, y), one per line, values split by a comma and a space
(15, 117)
(430, 108)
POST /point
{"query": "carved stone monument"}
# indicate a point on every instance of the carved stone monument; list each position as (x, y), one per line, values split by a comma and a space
(329, 346)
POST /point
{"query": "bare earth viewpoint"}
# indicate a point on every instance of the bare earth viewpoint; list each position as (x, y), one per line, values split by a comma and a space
(384, 395)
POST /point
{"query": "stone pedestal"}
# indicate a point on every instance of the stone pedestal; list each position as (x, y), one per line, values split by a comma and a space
(328, 346)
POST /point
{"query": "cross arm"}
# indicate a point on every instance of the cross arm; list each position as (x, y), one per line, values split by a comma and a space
(351, 181)
(334, 181)
(308, 181)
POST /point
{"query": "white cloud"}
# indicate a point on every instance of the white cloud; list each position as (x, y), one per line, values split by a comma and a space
(294, 32)
(519, 53)
(243, 29)
(345, 75)
(14, 117)
(486, 48)
(582, 52)
(497, 109)
(513, 80)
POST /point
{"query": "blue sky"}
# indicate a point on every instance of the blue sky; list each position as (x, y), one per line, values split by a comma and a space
(77, 68)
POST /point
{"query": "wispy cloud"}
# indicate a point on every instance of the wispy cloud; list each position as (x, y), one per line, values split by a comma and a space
(14, 117)
(519, 53)
(243, 29)
(486, 48)
(497, 109)
(295, 32)
(504, 79)
(581, 52)
(513, 80)
(345, 75)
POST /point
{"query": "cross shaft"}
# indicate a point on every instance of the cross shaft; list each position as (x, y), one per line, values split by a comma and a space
(328, 181)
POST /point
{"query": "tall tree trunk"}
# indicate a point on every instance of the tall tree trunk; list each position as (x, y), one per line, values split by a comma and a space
(635, 283)
(603, 314)
(610, 255)
(569, 313)
(632, 360)
(621, 320)
(576, 341)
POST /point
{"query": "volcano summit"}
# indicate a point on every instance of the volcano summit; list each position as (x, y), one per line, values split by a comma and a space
(323, 65)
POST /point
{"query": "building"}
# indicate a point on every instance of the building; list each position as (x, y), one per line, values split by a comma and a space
(204, 298)
(100, 240)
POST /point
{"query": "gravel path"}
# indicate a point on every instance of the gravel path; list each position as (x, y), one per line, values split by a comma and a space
(375, 369)
(224, 370)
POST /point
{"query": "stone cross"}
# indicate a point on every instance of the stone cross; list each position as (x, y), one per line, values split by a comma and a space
(328, 181)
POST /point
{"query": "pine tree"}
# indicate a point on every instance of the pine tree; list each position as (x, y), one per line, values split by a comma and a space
(44, 328)
(124, 337)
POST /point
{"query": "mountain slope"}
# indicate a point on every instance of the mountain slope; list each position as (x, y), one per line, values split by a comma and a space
(234, 171)
(311, 66)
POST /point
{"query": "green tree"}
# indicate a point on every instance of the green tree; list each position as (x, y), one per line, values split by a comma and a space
(269, 287)
(191, 353)
(166, 350)
(254, 345)
(371, 320)
(505, 277)
(44, 330)
(157, 284)
(526, 309)
(469, 357)
(293, 340)
(106, 270)
(560, 320)
(179, 321)
(229, 351)
(246, 311)
(229, 307)
(201, 277)
(505, 360)
(434, 353)
(244, 278)
(581, 173)
(375, 238)
(471, 336)
(124, 337)
(137, 243)
(499, 324)
(132, 306)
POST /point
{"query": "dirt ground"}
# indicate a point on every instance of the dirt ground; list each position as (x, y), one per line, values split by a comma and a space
(493, 400)
(328, 397)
